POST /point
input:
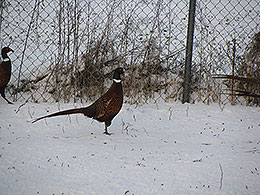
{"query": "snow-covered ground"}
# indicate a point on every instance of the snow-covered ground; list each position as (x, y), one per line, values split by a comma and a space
(168, 148)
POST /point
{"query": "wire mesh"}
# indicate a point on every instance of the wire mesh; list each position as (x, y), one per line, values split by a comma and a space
(224, 33)
(66, 50)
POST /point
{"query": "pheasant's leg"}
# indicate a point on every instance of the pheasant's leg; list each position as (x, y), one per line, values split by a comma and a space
(3, 95)
(107, 124)
(106, 132)
(8, 101)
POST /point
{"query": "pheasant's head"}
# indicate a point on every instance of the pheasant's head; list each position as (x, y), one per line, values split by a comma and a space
(117, 72)
(5, 50)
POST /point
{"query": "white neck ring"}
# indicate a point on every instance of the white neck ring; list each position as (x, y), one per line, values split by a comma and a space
(117, 80)
(6, 59)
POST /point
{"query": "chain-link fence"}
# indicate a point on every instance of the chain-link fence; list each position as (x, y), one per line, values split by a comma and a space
(65, 50)
(225, 33)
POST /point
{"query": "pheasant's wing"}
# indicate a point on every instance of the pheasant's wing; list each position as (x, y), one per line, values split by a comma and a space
(101, 107)
(109, 108)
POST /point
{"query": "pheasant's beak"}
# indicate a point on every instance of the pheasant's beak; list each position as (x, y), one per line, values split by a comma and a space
(11, 50)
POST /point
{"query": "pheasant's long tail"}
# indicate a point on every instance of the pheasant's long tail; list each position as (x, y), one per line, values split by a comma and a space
(86, 111)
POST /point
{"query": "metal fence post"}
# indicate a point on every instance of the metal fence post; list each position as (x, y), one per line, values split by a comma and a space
(188, 58)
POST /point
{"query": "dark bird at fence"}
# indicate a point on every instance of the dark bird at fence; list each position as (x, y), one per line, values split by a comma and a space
(103, 109)
(5, 72)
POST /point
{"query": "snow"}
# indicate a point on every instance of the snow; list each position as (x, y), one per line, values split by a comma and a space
(164, 148)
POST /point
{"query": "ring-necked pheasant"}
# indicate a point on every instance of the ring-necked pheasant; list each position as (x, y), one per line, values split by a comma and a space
(5, 72)
(103, 109)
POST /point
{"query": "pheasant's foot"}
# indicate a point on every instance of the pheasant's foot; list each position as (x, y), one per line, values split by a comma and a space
(106, 133)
